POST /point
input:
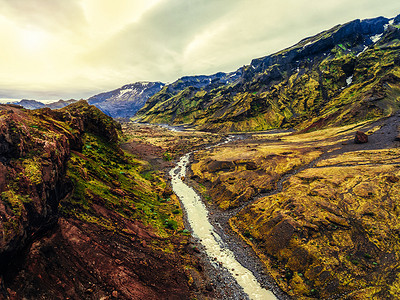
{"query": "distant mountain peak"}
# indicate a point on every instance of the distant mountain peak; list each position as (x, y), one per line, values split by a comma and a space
(34, 104)
(127, 100)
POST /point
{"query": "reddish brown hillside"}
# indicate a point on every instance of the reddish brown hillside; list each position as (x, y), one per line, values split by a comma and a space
(77, 218)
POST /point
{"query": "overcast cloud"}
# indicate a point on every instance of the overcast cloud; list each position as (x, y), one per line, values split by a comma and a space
(52, 49)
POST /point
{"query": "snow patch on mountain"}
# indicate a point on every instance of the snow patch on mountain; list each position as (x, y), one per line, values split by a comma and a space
(123, 92)
(308, 44)
(349, 80)
(365, 48)
(376, 37)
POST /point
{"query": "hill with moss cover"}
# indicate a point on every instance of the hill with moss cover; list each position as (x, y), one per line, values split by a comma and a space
(82, 219)
(346, 74)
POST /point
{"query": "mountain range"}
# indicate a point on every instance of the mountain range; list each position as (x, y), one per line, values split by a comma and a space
(33, 104)
(123, 102)
(345, 74)
(342, 75)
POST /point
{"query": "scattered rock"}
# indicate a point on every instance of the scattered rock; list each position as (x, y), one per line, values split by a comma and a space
(392, 179)
(116, 183)
(215, 166)
(251, 165)
(118, 192)
(360, 138)
(115, 294)
(168, 192)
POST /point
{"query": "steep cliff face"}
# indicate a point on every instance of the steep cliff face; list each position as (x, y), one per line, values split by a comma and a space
(34, 149)
(342, 75)
(33, 161)
(74, 203)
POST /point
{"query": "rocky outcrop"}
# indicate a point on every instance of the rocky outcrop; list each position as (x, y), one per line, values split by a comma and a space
(87, 118)
(34, 150)
(360, 138)
(33, 158)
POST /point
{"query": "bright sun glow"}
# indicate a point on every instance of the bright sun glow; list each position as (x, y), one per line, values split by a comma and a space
(32, 39)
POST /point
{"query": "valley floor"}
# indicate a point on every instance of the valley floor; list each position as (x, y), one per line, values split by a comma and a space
(312, 215)
(316, 212)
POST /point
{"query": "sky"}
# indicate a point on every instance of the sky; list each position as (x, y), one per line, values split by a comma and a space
(63, 49)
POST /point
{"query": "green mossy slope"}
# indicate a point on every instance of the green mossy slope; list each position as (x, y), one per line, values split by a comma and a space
(336, 77)
(63, 175)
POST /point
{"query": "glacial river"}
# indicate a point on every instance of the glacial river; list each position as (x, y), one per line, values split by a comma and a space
(197, 216)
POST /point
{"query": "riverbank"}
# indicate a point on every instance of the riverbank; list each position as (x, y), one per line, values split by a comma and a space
(221, 257)
(150, 142)
(243, 253)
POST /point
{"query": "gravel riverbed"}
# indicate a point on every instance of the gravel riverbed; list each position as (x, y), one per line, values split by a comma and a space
(221, 280)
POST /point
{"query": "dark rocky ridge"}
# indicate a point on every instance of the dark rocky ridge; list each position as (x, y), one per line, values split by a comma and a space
(357, 33)
(193, 84)
(397, 20)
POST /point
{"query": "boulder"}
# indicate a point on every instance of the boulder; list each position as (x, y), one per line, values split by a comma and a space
(360, 138)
